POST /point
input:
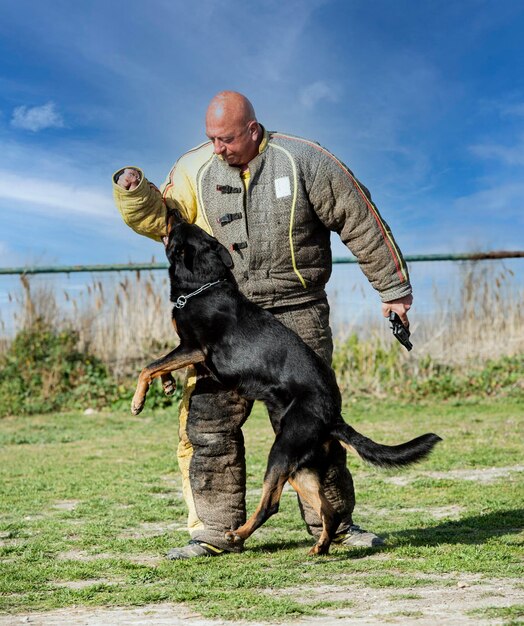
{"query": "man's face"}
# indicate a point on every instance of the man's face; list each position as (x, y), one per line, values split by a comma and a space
(236, 142)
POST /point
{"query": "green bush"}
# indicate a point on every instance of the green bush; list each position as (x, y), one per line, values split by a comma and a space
(502, 376)
(365, 367)
(44, 370)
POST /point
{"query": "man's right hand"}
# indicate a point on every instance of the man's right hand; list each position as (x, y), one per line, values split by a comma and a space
(128, 179)
(400, 306)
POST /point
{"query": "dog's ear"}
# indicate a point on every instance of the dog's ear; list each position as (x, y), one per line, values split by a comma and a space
(177, 240)
(224, 255)
(189, 256)
(171, 251)
(172, 219)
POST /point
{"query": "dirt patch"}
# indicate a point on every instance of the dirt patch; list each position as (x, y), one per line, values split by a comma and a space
(80, 555)
(168, 495)
(447, 604)
(172, 480)
(83, 584)
(150, 560)
(145, 559)
(149, 529)
(485, 475)
(423, 605)
(453, 511)
(65, 505)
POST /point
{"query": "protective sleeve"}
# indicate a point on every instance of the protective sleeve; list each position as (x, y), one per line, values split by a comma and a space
(144, 208)
(344, 206)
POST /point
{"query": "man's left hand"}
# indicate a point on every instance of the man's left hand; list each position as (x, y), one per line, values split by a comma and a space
(400, 306)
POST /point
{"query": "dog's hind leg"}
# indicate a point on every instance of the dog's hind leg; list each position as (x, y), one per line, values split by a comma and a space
(277, 473)
(175, 360)
(274, 482)
(307, 484)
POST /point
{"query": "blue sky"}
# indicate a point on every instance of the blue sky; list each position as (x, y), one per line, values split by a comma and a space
(423, 100)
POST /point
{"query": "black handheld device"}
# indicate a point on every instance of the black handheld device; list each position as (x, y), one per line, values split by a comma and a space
(400, 331)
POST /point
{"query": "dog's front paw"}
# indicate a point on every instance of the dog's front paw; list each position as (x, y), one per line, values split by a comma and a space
(137, 404)
(232, 537)
(168, 385)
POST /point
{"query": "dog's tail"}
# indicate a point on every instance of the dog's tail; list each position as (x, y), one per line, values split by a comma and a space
(382, 455)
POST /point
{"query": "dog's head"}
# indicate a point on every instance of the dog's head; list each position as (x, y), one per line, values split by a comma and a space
(196, 256)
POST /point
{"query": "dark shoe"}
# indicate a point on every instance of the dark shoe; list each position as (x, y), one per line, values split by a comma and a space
(357, 537)
(193, 549)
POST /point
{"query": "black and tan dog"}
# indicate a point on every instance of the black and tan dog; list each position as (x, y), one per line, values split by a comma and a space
(245, 348)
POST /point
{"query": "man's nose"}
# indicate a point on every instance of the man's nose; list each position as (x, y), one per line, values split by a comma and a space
(218, 146)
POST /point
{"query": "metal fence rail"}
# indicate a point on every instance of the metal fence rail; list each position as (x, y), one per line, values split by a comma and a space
(135, 267)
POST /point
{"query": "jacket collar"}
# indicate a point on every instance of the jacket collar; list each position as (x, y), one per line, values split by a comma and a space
(264, 142)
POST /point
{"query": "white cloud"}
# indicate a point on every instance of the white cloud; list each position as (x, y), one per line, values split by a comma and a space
(56, 198)
(505, 200)
(511, 155)
(311, 95)
(513, 109)
(37, 118)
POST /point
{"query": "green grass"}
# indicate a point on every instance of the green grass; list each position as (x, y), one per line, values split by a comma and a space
(89, 505)
(516, 611)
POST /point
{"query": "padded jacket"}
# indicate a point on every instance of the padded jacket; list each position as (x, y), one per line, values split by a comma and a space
(278, 226)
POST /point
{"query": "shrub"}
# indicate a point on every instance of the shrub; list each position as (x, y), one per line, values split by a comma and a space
(366, 367)
(43, 370)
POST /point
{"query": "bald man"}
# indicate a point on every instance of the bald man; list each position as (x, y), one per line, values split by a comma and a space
(273, 199)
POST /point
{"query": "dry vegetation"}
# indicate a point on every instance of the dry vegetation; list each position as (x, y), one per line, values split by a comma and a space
(477, 316)
(120, 321)
(124, 320)
(483, 313)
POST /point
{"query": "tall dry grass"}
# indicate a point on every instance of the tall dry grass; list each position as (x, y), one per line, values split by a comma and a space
(478, 315)
(482, 317)
(125, 321)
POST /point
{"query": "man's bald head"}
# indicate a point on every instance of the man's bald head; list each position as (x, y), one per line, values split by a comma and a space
(232, 106)
(232, 126)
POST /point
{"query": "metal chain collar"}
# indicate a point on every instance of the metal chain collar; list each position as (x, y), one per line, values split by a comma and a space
(182, 300)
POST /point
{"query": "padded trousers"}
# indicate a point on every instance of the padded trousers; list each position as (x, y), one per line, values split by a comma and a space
(211, 452)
